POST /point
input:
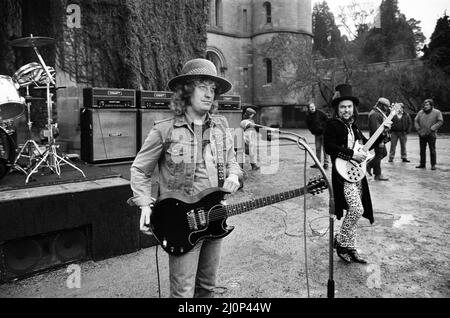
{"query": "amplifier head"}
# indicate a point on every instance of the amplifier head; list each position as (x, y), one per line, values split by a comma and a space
(229, 102)
(154, 99)
(94, 97)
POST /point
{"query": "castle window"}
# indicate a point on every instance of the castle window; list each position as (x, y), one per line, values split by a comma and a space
(268, 63)
(245, 71)
(210, 10)
(244, 20)
(268, 8)
(218, 12)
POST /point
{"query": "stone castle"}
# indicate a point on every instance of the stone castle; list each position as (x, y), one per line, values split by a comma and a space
(253, 44)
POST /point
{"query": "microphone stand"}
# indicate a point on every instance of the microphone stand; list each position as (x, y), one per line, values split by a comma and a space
(302, 140)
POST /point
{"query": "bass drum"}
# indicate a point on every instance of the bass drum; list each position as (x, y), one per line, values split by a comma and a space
(12, 106)
(7, 152)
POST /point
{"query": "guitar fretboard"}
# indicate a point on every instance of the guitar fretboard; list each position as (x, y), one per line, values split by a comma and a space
(246, 206)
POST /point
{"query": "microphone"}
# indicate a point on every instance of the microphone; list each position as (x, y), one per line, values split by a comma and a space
(249, 124)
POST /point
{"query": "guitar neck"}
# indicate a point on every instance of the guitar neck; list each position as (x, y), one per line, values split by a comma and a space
(235, 209)
(377, 133)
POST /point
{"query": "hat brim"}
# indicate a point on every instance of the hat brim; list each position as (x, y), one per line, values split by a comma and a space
(223, 85)
(337, 100)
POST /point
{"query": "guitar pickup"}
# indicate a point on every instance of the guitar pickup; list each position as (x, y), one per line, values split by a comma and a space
(202, 217)
(191, 220)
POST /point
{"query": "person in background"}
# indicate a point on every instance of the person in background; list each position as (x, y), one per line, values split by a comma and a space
(401, 127)
(250, 137)
(427, 122)
(375, 119)
(193, 151)
(316, 121)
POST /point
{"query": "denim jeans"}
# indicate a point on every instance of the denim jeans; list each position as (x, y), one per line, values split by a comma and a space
(194, 274)
(431, 141)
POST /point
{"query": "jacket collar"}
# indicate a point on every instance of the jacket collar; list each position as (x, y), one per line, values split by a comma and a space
(184, 120)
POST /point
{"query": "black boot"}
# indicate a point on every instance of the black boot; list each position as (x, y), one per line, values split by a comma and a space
(343, 253)
(355, 257)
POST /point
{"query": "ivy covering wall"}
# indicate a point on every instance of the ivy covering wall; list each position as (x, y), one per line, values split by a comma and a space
(137, 44)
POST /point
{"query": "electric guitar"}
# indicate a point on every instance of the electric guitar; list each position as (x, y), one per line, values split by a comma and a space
(178, 222)
(353, 171)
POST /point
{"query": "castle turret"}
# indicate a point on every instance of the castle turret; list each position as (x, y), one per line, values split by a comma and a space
(261, 47)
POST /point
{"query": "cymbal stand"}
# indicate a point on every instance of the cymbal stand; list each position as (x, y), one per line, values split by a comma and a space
(31, 147)
(50, 156)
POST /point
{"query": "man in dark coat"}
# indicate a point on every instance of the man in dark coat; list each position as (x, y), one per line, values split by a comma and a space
(341, 134)
(316, 121)
(401, 127)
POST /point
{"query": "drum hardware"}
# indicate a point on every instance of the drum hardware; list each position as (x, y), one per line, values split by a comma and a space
(30, 149)
(46, 75)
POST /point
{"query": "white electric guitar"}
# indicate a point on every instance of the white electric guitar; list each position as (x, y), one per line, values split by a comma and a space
(351, 170)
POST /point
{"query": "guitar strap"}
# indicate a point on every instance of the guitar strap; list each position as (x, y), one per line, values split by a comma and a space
(220, 150)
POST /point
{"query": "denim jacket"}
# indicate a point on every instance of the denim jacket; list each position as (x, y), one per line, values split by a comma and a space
(171, 146)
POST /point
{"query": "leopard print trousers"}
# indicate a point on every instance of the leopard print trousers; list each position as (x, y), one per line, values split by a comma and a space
(347, 233)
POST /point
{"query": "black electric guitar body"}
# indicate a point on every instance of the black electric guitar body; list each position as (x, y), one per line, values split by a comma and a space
(178, 222)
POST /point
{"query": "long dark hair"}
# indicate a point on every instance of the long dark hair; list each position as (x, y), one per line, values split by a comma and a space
(335, 113)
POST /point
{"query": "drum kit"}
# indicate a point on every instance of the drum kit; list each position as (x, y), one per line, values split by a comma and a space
(12, 106)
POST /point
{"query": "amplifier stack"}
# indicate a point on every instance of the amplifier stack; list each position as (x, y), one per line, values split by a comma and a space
(115, 121)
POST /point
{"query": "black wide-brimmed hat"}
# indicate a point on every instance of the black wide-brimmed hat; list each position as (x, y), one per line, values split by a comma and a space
(344, 92)
(200, 68)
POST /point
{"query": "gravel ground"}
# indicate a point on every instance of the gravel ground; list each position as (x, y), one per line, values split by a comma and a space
(264, 257)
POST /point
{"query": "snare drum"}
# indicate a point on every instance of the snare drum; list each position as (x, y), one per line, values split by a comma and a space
(7, 152)
(12, 106)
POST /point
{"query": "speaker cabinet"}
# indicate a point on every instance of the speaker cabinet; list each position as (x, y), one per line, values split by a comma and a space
(233, 116)
(29, 255)
(147, 119)
(108, 135)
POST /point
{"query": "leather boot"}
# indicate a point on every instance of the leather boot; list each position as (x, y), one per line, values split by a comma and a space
(343, 254)
(355, 257)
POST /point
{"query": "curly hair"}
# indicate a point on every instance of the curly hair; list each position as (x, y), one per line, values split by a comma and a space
(183, 92)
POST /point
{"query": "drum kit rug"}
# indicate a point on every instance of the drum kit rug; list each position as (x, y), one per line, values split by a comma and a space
(12, 106)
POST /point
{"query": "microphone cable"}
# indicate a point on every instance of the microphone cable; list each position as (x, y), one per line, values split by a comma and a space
(304, 223)
(157, 271)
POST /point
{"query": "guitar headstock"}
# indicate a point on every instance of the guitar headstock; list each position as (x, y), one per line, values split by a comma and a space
(396, 108)
(317, 185)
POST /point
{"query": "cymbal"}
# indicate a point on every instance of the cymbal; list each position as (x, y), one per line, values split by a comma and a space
(32, 41)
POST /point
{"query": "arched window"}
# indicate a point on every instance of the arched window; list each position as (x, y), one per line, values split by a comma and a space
(213, 57)
(268, 63)
(268, 8)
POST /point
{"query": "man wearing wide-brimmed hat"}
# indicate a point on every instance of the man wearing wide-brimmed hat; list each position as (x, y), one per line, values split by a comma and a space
(341, 134)
(194, 151)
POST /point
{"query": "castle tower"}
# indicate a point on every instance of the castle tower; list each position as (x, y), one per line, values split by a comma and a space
(262, 47)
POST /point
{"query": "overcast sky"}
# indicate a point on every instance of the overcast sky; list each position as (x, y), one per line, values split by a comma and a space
(428, 12)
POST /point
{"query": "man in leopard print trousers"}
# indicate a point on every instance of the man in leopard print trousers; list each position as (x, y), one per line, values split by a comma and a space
(341, 134)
